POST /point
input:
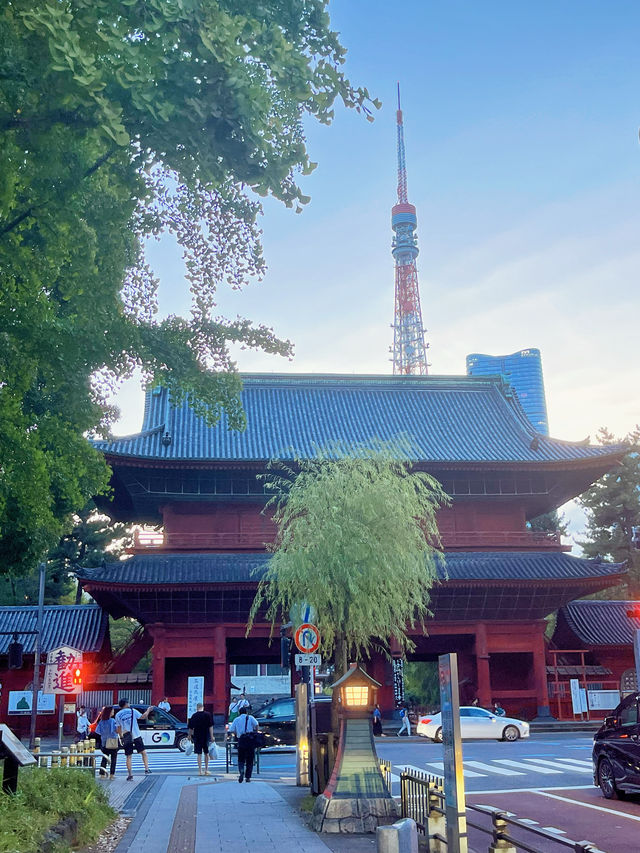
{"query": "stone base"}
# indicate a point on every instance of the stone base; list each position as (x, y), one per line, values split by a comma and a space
(352, 814)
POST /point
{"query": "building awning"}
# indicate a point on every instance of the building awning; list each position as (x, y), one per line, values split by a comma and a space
(82, 626)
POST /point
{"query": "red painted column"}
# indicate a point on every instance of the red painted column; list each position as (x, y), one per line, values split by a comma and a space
(482, 666)
(220, 672)
(540, 674)
(158, 659)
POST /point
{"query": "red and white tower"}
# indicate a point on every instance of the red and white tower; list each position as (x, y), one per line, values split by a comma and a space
(409, 349)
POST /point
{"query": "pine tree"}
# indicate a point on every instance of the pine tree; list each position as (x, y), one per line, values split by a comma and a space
(612, 506)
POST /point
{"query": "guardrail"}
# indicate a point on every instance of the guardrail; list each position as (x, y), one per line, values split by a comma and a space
(422, 797)
(231, 746)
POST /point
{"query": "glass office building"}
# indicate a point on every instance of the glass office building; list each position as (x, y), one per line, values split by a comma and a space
(523, 370)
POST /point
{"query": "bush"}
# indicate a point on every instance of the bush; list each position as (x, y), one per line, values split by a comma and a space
(43, 799)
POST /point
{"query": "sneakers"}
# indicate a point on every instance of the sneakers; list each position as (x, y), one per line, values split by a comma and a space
(129, 778)
(207, 773)
(147, 772)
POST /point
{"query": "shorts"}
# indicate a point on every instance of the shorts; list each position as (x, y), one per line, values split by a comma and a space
(136, 744)
(200, 745)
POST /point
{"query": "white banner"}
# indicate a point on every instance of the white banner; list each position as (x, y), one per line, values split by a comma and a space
(20, 702)
(58, 673)
(603, 700)
(195, 693)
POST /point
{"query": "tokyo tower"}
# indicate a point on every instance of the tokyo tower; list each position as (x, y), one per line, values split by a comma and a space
(409, 350)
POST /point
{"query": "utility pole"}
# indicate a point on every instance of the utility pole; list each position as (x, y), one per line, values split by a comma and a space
(36, 658)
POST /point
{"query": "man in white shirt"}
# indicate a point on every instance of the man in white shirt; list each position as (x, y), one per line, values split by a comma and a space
(128, 729)
(243, 727)
(164, 705)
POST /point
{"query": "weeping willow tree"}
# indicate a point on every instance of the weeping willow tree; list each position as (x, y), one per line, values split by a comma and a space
(357, 539)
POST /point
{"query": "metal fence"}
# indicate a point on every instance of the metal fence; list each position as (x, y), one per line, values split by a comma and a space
(80, 756)
(422, 798)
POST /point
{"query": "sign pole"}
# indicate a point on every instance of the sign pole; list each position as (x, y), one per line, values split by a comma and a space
(455, 809)
(636, 651)
(61, 701)
(36, 659)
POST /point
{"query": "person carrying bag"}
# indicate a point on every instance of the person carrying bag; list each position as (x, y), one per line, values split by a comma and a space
(109, 742)
(245, 728)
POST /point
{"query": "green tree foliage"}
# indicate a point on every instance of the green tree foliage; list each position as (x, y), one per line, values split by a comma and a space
(120, 120)
(421, 683)
(357, 539)
(92, 540)
(612, 506)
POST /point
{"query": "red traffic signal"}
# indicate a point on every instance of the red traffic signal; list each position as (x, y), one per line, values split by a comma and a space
(77, 676)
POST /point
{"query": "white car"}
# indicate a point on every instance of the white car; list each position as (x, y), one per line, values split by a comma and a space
(475, 723)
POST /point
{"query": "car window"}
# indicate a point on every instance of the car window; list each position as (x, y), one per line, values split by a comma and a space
(478, 712)
(628, 715)
(161, 719)
(465, 712)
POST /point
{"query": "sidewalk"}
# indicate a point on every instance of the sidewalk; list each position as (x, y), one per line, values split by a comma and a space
(176, 814)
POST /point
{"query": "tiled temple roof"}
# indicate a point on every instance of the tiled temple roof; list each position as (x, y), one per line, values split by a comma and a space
(156, 569)
(464, 419)
(81, 626)
(602, 623)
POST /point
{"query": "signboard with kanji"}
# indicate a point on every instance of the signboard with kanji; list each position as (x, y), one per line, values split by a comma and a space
(59, 672)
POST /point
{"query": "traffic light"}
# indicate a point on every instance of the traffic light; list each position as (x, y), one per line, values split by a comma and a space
(285, 651)
(77, 675)
(15, 654)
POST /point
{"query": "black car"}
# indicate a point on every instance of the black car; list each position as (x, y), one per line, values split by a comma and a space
(277, 720)
(616, 750)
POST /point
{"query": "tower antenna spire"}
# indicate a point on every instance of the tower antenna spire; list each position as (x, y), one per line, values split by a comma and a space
(409, 349)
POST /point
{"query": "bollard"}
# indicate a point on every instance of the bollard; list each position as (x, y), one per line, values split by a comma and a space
(400, 837)
(436, 822)
(499, 845)
(55, 758)
(64, 758)
(43, 761)
(72, 755)
(36, 746)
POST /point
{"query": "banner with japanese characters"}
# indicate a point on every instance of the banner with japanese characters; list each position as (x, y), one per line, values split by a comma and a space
(58, 675)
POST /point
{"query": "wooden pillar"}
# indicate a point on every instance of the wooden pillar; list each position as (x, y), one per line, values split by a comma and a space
(220, 673)
(482, 666)
(540, 675)
(158, 664)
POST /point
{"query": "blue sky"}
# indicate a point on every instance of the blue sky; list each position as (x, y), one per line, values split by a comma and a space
(521, 124)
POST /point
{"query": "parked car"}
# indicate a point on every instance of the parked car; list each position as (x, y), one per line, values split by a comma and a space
(277, 720)
(160, 730)
(475, 723)
(616, 750)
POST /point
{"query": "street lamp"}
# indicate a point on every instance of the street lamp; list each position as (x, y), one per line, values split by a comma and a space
(356, 798)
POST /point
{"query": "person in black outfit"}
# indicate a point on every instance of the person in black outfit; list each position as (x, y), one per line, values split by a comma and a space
(201, 733)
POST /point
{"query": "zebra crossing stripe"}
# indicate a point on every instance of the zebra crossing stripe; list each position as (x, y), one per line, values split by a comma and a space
(557, 765)
(581, 762)
(526, 767)
(439, 766)
(501, 771)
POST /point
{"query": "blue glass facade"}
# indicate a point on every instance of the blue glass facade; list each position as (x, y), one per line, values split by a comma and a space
(523, 370)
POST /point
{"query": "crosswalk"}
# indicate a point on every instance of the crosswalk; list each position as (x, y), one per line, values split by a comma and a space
(501, 767)
(165, 761)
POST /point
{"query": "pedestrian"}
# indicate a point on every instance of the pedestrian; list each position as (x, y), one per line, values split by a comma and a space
(109, 742)
(377, 721)
(244, 727)
(164, 705)
(82, 724)
(406, 724)
(498, 710)
(129, 731)
(234, 708)
(201, 734)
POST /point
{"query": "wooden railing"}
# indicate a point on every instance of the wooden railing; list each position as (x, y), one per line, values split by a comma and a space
(258, 537)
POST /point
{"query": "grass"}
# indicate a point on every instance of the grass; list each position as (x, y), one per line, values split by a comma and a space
(43, 799)
(306, 803)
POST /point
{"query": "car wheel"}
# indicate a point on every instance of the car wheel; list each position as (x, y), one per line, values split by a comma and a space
(437, 738)
(511, 733)
(607, 781)
(182, 742)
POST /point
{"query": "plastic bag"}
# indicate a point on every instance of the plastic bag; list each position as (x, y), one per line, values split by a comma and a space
(188, 750)
(216, 751)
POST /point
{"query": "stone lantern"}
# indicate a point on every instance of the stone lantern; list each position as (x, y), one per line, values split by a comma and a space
(356, 798)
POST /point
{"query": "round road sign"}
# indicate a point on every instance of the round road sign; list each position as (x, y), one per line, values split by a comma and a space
(307, 638)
